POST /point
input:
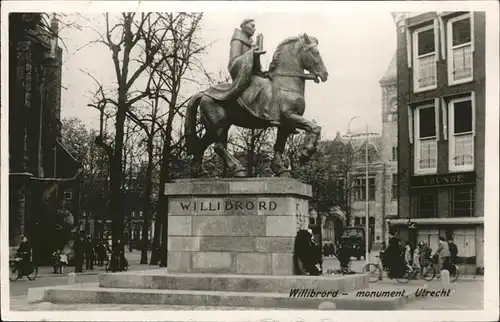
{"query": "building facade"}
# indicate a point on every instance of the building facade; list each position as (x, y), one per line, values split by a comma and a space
(355, 188)
(389, 146)
(44, 186)
(441, 121)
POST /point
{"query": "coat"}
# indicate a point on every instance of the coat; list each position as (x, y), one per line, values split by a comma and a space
(443, 249)
(240, 44)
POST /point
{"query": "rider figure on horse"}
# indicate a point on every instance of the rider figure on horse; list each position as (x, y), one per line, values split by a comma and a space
(244, 60)
(241, 42)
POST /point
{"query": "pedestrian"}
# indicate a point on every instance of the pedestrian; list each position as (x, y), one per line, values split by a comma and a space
(416, 259)
(453, 251)
(79, 255)
(453, 255)
(56, 261)
(63, 261)
(344, 257)
(408, 254)
(305, 254)
(425, 254)
(101, 253)
(89, 253)
(442, 254)
(393, 256)
(24, 254)
(118, 256)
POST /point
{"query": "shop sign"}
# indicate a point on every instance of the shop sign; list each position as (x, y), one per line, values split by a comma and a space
(447, 179)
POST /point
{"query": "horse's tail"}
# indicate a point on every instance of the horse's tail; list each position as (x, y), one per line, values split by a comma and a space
(190, 123)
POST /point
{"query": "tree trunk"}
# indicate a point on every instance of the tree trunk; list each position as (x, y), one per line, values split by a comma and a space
(117, 207)
(164, 177)
(162, 213)
(147, 203)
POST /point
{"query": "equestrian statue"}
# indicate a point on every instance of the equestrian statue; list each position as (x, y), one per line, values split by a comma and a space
(257, 99)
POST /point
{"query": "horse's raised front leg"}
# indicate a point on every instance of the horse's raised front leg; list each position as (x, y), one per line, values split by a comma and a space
(277, 165)
(314, 130)
(231, 162)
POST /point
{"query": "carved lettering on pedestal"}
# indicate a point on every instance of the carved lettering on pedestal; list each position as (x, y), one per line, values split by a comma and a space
(207, 206)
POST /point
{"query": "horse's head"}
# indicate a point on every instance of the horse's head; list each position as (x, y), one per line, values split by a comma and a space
(311, 58)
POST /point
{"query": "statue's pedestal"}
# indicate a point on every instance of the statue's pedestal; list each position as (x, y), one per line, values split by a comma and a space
(235, 226)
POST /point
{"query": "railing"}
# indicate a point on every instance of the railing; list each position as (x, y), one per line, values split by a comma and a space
(426, 71)
(463, 150)
(428, 154)
(462, 62)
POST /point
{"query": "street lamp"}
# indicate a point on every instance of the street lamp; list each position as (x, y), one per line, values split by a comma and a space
(367, 216)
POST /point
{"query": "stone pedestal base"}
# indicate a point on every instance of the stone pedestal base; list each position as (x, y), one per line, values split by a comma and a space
(236, 226)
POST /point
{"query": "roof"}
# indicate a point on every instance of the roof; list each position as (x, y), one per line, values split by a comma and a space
(391, 73)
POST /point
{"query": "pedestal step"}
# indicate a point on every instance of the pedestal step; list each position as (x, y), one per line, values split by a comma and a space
(93, 294)
(160, 279)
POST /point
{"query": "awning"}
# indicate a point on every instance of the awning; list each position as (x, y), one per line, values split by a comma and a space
(438, 221)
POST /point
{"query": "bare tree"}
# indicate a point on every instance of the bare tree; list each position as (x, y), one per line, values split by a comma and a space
(148, 122)
(134, 40)
(255, 148)
(182, 50)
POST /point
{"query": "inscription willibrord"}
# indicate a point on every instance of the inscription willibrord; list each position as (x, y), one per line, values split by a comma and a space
(228, 205)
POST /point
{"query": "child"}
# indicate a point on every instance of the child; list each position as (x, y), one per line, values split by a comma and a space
(408, 256)
(416, 258)
(63, 258)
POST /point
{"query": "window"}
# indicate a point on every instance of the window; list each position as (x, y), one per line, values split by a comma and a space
(394, 153)
(424, 56)
(394, 188)
(460, 49)
(425, 204)
(461, 140)
(425, 140)
(462, 202)
(68, 195)
(360, 189)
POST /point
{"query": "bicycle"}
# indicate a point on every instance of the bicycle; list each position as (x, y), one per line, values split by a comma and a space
(375, 270)
(433, 271)
(30, 271)
(409, 274)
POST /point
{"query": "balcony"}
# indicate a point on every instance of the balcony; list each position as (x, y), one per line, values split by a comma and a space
(461, 69)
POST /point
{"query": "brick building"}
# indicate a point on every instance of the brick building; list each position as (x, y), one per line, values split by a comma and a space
(441, 121)
(43, 174)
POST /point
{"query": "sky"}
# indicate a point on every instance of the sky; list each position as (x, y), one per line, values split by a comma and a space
(356, 49)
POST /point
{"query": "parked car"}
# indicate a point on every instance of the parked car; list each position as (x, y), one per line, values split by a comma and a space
(354, 238)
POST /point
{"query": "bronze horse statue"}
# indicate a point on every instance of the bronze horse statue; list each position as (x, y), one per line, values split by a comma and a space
(282, 94)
